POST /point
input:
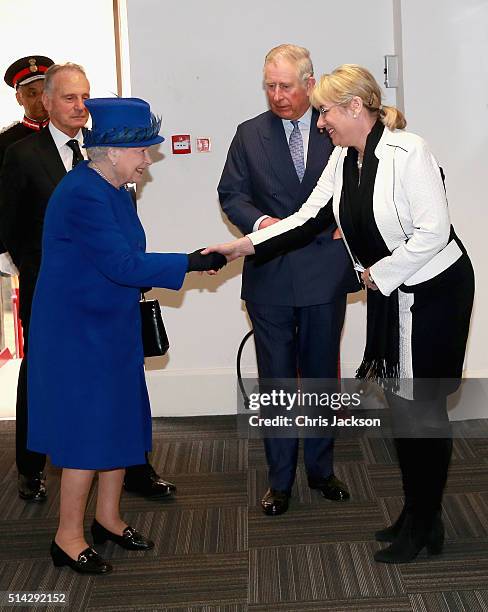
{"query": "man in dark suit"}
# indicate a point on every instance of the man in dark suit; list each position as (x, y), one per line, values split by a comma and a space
(26, 76)
(296, 302)
(31, 170)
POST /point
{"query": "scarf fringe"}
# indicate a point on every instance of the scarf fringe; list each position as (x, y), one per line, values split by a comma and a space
(376, 369)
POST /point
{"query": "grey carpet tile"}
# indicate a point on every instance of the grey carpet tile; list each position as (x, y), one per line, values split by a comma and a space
(472, 428)
(176, 428)
(382, 451)
(196, 490)
(38, 575)
(331, 523)
(450, 601)
(467, 449)
(26, 539)
(481, 447)
(345, 451)
(318, 556)
(14, 508)
(177, 581)
(348, 450)
(378, 450)
(468, 477)
(7, 435)
(199, 456)
(191, 531)
(320, 572)
(385, 480)
(462, 566)
(360, 604)
(164, 608)
(7, 464)
(465, 515)
(464, 477)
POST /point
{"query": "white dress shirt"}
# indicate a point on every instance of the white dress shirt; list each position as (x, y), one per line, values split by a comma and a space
(60, 140)
(304, 127)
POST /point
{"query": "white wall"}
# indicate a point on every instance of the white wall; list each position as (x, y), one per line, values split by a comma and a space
(201, 68)
(445, 46)
(64, 31)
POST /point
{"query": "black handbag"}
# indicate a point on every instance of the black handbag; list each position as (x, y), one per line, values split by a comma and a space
(154, 338)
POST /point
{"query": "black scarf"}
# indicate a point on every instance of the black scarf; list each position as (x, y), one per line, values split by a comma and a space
(381, 355)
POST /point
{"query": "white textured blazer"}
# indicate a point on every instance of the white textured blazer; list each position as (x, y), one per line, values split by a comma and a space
(409, 206)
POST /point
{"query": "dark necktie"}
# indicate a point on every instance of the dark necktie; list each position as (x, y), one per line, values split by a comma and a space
(296, 149)
(75, 147)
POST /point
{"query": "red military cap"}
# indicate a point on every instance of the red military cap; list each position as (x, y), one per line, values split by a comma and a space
(27, 69)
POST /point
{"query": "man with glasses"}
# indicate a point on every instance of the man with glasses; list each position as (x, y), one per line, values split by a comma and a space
(296, 302)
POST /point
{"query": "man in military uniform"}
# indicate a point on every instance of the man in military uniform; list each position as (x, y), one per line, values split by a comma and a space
(26, 76)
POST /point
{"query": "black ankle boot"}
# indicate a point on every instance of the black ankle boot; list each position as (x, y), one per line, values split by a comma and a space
(415, 534)
(391, 532)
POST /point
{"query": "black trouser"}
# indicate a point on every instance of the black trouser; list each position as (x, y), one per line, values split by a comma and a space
(291, 340)
(133, 473)
(28, 462)
(424, 449)
(424, 463)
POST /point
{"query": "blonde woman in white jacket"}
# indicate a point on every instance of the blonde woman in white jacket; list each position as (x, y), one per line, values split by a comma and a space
(384, 189)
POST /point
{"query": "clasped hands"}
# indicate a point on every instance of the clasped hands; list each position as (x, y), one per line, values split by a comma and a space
(215, 257)
(368, 280)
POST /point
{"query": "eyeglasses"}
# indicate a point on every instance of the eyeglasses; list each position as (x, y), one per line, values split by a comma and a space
(323, 111)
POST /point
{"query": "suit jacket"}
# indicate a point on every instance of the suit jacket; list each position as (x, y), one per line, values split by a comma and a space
(31, 169)
(8, 136)
(259, 178)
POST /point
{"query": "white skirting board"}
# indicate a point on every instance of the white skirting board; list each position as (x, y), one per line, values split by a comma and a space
(214, 392)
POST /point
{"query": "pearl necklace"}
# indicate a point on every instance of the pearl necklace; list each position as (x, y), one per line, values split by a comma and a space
(100, 173)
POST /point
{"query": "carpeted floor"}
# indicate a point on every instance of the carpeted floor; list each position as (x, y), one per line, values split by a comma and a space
(216, 552)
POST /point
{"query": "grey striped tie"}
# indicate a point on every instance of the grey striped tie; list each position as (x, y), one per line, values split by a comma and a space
(296, 150)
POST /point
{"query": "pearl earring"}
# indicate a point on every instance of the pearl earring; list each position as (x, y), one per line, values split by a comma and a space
(355, 115)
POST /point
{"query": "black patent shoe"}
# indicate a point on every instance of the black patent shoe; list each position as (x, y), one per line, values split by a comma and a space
(331, 488)
(275, 502)
(391, 532)
(148, 483)
(415, 535)
(89, 561)
(33, 487)
(130, 538)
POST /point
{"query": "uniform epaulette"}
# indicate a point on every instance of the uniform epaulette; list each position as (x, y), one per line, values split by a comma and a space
(8, 127)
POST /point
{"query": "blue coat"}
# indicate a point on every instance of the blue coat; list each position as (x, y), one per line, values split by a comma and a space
(88, 402)
(259, 179)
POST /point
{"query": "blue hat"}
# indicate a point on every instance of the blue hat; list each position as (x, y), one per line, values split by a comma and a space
(121, 122)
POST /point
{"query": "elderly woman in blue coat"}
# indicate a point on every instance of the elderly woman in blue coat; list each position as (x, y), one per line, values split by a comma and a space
(88, 402)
